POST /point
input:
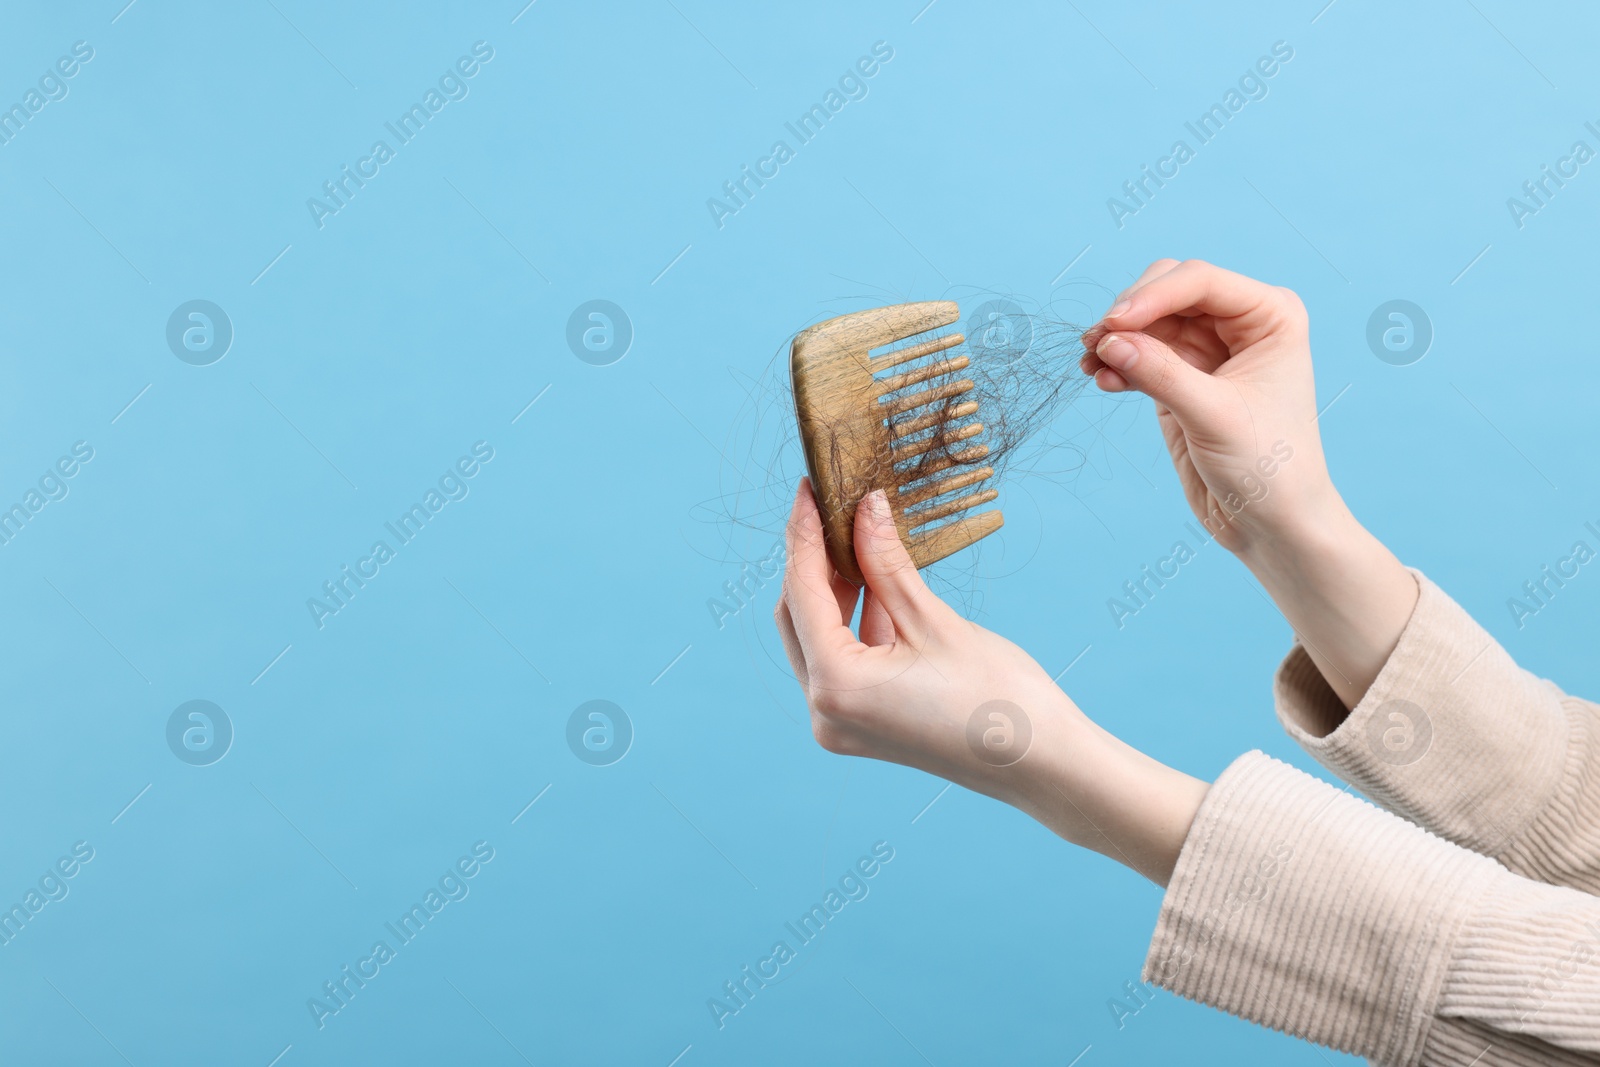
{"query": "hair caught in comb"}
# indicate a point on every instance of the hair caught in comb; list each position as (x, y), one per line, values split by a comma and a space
(960, 408)
(889, 399)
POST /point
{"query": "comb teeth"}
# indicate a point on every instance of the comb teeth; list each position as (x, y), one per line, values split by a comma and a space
(901, 405)
(940, 464)
(917, 351)
(907, 427)
(922, 374)
(927, 444)
(934, 545)
(863, 431)
(910, 498)
(924, 516)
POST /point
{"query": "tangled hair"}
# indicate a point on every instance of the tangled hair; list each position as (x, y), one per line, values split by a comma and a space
(1024, 369)
(1023, 363)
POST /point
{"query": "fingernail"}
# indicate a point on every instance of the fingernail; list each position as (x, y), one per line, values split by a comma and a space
(1121, 307)
(878, 506)
(1117, 351)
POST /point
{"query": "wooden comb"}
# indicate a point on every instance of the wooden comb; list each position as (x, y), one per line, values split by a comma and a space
(862, 430)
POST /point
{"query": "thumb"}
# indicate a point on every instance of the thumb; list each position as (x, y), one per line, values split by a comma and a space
(887, 566)
(1148, 365)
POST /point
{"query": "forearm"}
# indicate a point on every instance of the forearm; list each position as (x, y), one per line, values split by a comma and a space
(1346, 595)
(1097, 791)
(1142, 809)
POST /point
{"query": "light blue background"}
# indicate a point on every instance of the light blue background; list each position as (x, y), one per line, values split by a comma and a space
(377, 349)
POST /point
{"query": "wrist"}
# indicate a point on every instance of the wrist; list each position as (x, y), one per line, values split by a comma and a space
(1096, 791)
(1347, 597)
(1302, 531)
(1062, 738)
(1257, 499)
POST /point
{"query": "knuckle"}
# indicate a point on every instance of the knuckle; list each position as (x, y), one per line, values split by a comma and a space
(826, 703)
(828, 735)
(1290, 305)
(944, 630)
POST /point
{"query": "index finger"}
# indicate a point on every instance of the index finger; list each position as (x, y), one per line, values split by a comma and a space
(1091, 363)
(1152, 272)
(1191, 286)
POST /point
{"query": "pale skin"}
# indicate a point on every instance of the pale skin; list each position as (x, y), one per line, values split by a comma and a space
(1227, 361)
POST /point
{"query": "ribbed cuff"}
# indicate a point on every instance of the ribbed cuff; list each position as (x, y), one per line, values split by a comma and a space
(1452, 734)
(1525, 971)
(1310, 911)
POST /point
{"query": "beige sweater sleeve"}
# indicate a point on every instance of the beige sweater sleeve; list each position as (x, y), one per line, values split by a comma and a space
(1301, 907)
(1456, 737)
